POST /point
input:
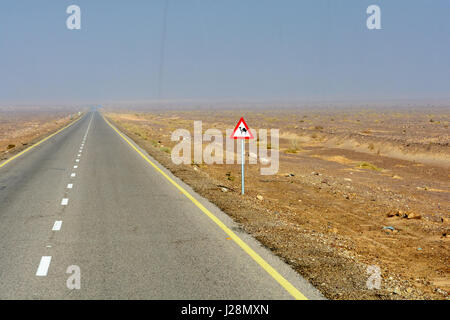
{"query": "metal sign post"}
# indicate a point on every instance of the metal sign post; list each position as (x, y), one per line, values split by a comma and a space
(242, 132)
(243, 161)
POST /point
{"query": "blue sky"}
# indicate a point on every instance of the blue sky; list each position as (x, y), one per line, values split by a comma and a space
(224, 49)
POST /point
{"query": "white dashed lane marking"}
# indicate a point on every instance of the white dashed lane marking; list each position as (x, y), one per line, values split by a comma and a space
(43, 266)
(45, 260)
(57, 226)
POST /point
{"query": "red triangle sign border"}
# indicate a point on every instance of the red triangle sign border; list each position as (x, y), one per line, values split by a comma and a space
(246, 127)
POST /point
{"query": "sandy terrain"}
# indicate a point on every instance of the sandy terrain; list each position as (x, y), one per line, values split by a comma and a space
(20, 127)
(356, 187)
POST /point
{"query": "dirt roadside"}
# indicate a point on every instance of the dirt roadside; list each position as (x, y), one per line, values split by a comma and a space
(331, 217)
(19, 133)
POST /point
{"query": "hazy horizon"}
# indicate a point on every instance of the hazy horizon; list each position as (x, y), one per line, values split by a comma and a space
(246, 106)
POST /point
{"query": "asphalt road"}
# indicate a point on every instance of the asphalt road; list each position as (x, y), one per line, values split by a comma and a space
(131, 232)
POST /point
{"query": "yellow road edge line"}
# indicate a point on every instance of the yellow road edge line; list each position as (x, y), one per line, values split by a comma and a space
(38, 143)
(256, 257)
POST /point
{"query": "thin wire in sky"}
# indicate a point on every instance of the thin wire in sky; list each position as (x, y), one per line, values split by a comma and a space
(163, 47)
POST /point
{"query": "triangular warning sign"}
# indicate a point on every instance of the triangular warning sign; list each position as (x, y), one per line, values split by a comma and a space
(242, 131)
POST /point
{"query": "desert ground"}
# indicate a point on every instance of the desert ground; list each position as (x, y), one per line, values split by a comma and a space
(356, 187)
(21, 126)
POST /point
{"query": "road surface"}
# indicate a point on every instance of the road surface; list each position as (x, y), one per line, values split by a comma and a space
(88, 198)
